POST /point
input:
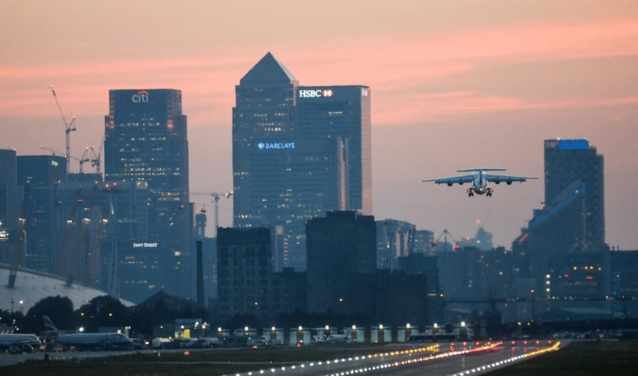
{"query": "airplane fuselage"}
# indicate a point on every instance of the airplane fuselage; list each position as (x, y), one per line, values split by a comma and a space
(479, 185)
(92, 341)
(479, 180)
(7, 340)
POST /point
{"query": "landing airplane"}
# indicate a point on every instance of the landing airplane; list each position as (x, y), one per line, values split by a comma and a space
(9, 340)
(479, 180)
(88, 341)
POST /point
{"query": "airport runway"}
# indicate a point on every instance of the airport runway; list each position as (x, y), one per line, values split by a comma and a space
(449, 360)
(457, 360)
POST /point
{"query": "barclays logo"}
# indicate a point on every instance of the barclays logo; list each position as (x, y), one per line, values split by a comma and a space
(276, 145)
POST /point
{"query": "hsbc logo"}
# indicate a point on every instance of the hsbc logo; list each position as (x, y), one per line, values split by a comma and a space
(317, 93)
(140, 97)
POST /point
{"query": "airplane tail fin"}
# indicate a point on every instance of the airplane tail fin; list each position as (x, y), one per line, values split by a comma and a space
(49, 327)
(482, 169)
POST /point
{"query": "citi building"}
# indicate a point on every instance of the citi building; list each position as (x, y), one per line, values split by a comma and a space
(146, 142)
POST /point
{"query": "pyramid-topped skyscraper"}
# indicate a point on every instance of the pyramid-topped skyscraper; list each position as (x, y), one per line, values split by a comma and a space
(264, 115)
(268, 71)
(298, 152)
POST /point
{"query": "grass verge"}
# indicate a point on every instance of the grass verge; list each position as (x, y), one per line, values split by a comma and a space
(595, 358)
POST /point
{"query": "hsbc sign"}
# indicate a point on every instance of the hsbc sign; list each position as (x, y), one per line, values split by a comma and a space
(315, 93)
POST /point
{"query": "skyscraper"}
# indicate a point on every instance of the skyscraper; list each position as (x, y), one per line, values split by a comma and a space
(565, 241)
(43, 172)
(146, 140)
(263, 141)
(298, 152)
(334, 133)
(569, 160)
(10, 201)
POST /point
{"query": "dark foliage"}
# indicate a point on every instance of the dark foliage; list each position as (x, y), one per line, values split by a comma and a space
(59, 309)
(103, 311)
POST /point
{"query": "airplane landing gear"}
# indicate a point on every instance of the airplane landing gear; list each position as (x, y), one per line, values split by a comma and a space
(489, 192)
(470, 193)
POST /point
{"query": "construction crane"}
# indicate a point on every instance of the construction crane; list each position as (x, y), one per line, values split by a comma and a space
(67, 157)
(18, 245)
(113, 284)
(216, 196)
(68, 128)
(445, 234)
(68, 232)
(85, 158)
(94, 254)
(95, 157)
(80, 243)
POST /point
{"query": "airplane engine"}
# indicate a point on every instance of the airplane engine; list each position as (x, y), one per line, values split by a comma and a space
(449, 184)
(509, 182)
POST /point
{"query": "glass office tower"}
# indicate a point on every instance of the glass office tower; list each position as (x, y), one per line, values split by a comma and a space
(298, 152)
(146, 140)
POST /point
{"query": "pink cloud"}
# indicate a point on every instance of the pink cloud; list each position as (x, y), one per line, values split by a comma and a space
(398, 68)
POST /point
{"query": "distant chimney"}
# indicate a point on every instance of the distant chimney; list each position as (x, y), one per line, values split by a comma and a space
(200, 274)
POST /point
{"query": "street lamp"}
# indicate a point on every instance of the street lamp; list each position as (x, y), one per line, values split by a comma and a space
(21, 312)
(533, 305)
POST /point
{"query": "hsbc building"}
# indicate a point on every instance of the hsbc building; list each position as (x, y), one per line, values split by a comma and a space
(334, 122)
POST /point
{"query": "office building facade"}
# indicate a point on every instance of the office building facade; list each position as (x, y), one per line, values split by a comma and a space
(263, 142)
(298, 152)
(334, 129)
(247, 284)
(10, 201)
(342, 249)
(563, 249)
(146, 140)
(569, 160)
(43, 174)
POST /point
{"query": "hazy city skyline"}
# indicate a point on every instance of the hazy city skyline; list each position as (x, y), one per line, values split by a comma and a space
(455, 85)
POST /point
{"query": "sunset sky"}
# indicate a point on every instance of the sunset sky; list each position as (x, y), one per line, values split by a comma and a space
(454, 85)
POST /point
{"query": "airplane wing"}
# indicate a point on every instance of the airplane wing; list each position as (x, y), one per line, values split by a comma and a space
(453, 179)
(505, 178)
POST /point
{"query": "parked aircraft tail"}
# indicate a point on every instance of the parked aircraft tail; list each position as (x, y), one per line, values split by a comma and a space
(49, 327)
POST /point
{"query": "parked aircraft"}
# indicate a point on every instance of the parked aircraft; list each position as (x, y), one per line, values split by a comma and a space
(88, 341)
(333, 338)
(479, 180)
(23, 342)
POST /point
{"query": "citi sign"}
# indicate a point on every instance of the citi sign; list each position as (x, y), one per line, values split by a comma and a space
(318, 93)
(140, 97)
